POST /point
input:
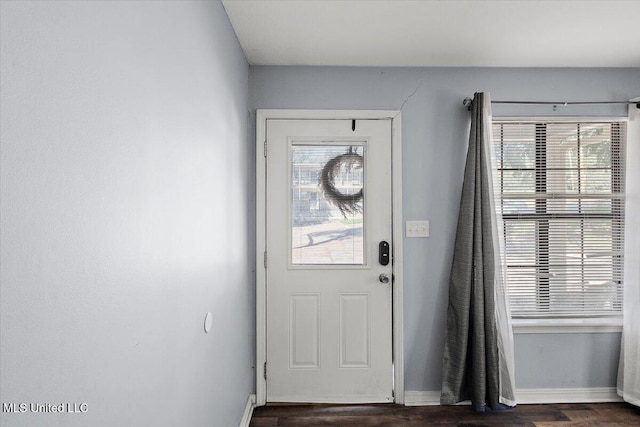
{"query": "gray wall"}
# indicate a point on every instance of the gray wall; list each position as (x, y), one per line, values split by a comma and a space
(435, 133)
(125, 214)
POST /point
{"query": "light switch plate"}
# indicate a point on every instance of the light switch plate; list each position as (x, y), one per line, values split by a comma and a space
(417, 229)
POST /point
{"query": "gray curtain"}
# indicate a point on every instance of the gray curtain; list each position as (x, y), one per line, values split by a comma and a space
(472, 367)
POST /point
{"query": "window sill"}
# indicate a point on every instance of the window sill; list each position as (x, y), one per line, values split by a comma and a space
(567, 326)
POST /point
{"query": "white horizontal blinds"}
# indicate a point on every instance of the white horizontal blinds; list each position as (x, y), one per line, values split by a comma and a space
(562, 202)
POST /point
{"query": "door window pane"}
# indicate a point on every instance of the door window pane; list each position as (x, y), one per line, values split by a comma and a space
(327, 204)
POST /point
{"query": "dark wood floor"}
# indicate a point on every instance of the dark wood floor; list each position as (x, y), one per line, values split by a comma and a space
(385, 415)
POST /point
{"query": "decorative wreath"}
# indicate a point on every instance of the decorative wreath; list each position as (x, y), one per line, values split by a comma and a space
(347, 203)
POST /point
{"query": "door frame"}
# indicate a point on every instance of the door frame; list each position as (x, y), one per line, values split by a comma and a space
(262, 115)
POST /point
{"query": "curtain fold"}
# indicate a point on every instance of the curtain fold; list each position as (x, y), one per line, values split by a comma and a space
(478, 354)
(629, 368)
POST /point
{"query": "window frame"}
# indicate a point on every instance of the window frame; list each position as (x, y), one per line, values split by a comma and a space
(584, 324)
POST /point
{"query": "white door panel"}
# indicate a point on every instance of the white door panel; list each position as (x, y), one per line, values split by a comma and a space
(328, 313)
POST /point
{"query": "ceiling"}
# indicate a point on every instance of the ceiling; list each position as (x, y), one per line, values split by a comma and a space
(436, 33)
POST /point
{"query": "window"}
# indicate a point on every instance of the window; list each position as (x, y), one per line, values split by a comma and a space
(562, 203)
(321, 234)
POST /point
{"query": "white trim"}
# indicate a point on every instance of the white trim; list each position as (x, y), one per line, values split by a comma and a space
(398, 306)
(261, 247)
(327, 114)
(398, 259)
(248, 411)
(567, 326)
(330, 400)
(567, 395)
(529, 396)
(421, 398)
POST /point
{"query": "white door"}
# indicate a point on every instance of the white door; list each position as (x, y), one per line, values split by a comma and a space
(329, 269)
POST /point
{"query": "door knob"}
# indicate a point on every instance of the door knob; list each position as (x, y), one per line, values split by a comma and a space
(383, 278)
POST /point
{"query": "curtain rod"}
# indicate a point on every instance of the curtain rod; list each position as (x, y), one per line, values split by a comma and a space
(468, 101)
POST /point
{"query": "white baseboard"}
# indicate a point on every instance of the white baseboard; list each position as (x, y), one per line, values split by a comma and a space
(568, 395)
(421, 398)
(248, 411)
(529, 396)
